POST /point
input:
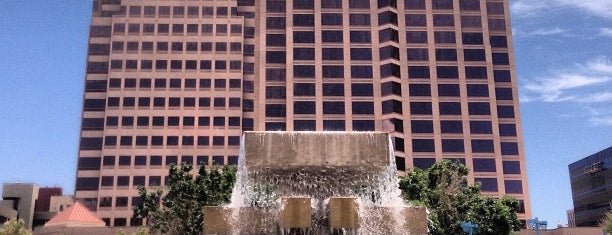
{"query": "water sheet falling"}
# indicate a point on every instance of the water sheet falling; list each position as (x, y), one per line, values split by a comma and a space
(319, 166)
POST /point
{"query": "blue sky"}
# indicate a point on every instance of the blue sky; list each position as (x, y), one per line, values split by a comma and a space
(564, 62)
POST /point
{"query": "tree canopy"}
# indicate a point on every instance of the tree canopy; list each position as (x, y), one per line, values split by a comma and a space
(184, 197)
(443, 189)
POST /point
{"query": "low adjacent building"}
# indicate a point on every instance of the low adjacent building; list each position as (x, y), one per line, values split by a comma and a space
(18, 202)
(34, 205)
(591, 180)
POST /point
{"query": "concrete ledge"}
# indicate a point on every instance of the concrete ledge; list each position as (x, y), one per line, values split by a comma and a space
(304, 149)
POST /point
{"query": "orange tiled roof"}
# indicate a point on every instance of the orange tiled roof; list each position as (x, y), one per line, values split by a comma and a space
(76, 215)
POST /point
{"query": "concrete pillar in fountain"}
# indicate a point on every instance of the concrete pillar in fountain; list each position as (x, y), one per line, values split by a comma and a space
(343, 213)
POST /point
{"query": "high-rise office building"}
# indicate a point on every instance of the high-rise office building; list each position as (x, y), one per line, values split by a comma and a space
(590, 178)
(172, 81)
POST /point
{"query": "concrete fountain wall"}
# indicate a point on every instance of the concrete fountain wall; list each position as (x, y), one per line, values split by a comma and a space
(316, 183)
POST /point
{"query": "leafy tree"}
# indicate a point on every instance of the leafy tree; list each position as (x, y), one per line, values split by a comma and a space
(14, 227)
(444, 190)
(182, 201)
(606, 222)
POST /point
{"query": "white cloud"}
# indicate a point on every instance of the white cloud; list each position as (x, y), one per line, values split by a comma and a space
(598, 7)
(605, 32)
(540, 32)
(528, 8)
(545, 32)
(531, 8)
(569, 85)
(599, 97)
(601, 121)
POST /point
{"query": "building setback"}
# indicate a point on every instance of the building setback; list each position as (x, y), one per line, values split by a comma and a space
(591, 182)
(171, 81)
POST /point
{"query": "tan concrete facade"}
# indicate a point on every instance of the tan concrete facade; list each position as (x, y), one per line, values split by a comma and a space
(170, 81)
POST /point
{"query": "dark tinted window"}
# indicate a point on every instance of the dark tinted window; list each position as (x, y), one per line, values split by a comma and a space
(423, 163)
(359, 4)
(481, 127)
(451, 126)
(414, 4)
(275, 39)
(442, 4)
(507, 130)
(333, 4)
(482, 146)
(487, 184)
(333, 71)
(333, 107)
(474, 55)
(513, 186)
(331, 18)
(275, 22)
(509, 148)
(303, 4)
(505, 111)
(450, 108)
(416, 36)
(418, 71)
(359, 71)
(358, 89)
(333, 89)
(275, 110)
(420, 108)
(475, 72)
(447, 71)
(477, 90)
(451, 90)
(386, 35)
(363, 125)
(421, 126)
(418, 54)
(360, 37)
(444, 37)
(499, 41)
(419, 90)
(332, 53)
(423, 145)
(332, 36)
(303, 53)
(416, 20)
(304, 125)
(359, 19)
(479, 108)
(503, 93)
(443, 20)
(501, 75)
(303, 89)
(484, 165)
(452, 146)
(304, 107)
(472, 38)
(304, 71)
(511, 167)
(334, 125)
(303, 19)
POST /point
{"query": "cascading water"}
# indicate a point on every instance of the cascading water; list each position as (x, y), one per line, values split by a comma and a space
(261, 186)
